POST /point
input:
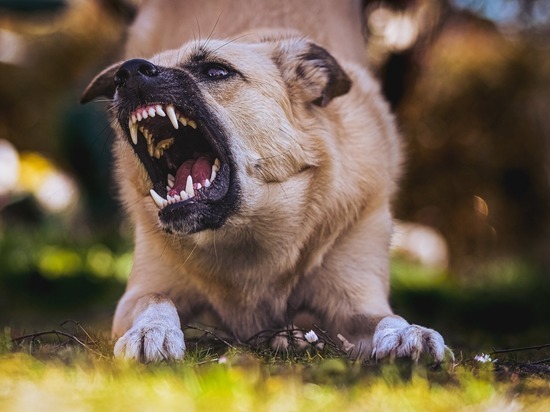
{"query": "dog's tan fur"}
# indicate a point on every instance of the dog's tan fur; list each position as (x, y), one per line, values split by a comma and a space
(318, 167)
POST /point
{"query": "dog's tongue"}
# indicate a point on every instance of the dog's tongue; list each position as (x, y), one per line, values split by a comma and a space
(200, 169)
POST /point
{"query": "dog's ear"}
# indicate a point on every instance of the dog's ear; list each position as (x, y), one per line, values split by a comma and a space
(103, 85)
(312, 72)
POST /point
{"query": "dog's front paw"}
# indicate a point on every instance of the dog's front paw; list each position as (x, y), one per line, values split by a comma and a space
(155, 334)
(151, 343)
(395, 337)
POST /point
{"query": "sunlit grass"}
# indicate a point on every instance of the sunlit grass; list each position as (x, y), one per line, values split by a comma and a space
(54, 372)
(74, 379)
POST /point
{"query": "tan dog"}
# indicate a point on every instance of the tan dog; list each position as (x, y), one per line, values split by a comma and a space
(258, 172)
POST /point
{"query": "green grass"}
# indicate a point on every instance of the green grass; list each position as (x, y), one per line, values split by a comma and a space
(53, 372)
(47, 277)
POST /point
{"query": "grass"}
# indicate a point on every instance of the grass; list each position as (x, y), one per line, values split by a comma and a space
(503, 306)
(56, 372)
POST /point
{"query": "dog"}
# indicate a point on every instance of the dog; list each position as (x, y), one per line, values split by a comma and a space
(258, 170)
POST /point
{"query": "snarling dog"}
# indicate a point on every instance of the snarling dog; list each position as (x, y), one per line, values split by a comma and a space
(258, 174)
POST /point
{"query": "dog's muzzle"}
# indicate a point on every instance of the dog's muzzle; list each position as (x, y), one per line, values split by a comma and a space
(179, 142)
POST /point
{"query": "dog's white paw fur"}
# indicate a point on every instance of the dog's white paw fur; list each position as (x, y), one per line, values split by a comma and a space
(155, 335)
(395, 337)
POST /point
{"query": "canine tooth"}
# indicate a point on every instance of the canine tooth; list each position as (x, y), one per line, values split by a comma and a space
(189, 186)
(192, 123)
(184, 195)
(134, 118)
(217, 163)
(152, 112)
(133, 132)
(213, 175)
(160, 112)
(183, 120)
(159, 201)
(207, 183)
(171, 112)
(138, 115)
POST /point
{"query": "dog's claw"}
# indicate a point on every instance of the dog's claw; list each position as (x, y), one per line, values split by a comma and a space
(395, 337)
(151, 344)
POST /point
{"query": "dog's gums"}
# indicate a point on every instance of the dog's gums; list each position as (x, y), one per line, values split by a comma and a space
(195, 174)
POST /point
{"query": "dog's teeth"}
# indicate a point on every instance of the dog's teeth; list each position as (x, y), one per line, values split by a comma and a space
(171, 180)
(216, 165)
(134, 118)
(171, 112)
(165, 144)
(158, 153)
(207, 183)
(148, 135)
(138, 115)
(184, 195)
(152, 112)
(159, 201)
(177, 198)
(189, 186)
(144, 114)
(170, 199)
(199, 186)
(150, 148)
(183, 120)
(192, 123)
(213, 175)
(133, 131)
(160, 112)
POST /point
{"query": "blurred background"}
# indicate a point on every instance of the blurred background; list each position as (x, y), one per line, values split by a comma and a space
(469, 82)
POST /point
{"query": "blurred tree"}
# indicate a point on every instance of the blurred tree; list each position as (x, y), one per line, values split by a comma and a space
(472, 102)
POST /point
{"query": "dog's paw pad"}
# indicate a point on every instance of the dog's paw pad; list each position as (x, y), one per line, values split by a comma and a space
(151, 344)
(394, 337)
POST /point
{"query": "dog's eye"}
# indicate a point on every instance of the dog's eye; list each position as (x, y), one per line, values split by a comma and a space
(216, 72)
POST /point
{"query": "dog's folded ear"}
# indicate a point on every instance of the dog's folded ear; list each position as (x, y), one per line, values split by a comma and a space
(103, 85)
(311, 72)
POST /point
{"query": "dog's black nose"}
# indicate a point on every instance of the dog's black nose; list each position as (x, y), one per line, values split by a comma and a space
(134, 69)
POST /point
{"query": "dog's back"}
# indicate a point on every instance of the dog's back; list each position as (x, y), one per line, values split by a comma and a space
(166, 24)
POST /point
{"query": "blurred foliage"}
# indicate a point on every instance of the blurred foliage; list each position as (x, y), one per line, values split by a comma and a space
(471, 96)
(50, 270)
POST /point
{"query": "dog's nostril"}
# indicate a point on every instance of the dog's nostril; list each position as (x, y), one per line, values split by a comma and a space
(121, 76)
(134, 68)
(148, 69)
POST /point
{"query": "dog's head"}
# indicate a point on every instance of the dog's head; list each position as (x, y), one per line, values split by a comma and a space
(216, 121)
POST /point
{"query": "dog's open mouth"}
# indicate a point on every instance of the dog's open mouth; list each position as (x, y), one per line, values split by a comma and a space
(179, 154)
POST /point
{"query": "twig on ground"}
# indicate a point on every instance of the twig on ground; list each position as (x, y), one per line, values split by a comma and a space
(547, 360)
(526, 348)
(36, 335)
(333, 345)
(209, 332)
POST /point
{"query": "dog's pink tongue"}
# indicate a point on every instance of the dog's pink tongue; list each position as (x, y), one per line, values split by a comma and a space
(200, 169)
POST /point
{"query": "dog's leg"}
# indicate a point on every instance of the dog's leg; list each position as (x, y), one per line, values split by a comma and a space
(356, 306)
(155, 333)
